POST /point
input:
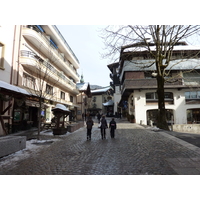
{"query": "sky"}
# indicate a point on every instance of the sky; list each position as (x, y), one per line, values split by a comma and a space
(88, 46)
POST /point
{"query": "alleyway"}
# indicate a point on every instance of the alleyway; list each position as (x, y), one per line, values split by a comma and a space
(134, 151)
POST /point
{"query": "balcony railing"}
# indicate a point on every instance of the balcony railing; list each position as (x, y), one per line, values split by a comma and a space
(56, 51)
(63, 39)
(59, 74)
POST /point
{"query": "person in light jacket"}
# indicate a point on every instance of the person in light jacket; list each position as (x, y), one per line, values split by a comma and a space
(104, 126)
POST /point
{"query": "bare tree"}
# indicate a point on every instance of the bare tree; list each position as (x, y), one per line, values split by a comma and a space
(44, 79)
(163, 37)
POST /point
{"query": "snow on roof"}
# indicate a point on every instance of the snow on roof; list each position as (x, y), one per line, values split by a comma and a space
(153, 48)
(181, 64)
(109, 103)
(101, 90)
(82, 86)
(60, 107)
(139, 65)
(13, 88)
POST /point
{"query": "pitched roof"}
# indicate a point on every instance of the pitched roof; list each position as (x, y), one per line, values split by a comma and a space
(102, 90)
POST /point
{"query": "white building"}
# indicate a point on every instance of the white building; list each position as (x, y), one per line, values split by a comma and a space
(182, 95)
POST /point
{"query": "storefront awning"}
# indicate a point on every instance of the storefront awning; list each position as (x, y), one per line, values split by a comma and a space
(109, 103)
(13, 88)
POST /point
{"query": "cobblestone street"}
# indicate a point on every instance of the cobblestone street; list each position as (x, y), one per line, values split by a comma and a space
(134, 151)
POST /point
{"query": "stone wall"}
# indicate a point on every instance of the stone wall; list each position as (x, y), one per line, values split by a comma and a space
(11, 144)
(187, 128)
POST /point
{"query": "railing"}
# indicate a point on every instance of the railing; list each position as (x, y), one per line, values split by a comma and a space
(44, 37)
(25, 53)
(63, 39)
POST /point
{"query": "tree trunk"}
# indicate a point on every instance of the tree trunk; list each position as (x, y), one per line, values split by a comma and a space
(39, 116)
(162, 120)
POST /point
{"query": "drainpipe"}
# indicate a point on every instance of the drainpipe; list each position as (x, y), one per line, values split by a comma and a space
(11, 74)
(20, 32)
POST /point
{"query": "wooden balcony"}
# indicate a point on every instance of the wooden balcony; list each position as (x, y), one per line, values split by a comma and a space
(136, 84)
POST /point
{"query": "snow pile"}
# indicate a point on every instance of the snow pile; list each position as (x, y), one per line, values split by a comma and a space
(31, 148)
(154, 128)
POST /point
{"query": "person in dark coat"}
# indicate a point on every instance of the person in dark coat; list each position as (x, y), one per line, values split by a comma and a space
(98, 117)
(112, 127)
(104, 126)
(89, 124)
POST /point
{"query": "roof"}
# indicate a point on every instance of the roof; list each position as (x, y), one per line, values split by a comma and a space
(60, 107)
(14, 88)
(102, 90)
(153, 48)
(139, 65)
(82, 86)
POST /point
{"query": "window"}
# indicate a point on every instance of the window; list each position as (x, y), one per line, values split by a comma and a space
(1, 56)
(192, 95)
(154, 96)
(28, 81)
(53, 43)
(62, 95)
(151, 95)
(49, 89)
(71, 99)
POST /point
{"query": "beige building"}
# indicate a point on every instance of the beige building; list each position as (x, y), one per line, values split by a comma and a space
(102, 101)
(38, 59)
(83, 99)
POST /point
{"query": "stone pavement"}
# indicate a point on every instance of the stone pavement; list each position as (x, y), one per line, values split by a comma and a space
(134, 151)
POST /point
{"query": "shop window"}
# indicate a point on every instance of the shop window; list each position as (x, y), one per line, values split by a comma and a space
(17, 116)
(193, 116)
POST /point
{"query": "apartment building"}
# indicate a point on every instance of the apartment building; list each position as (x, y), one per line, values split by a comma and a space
(43, 64)
(139, 85)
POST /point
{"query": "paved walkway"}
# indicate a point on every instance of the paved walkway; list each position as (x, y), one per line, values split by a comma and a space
(134, 151)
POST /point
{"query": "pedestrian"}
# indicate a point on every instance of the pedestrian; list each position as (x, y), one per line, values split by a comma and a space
(112, 127)
(98, 117)
(89, 124)
(104, 126)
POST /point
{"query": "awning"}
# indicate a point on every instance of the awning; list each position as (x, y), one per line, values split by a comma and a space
(10, 87)
(109, 103)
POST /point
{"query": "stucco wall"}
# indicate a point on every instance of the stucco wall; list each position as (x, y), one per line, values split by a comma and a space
(179, 107)
(7, 38)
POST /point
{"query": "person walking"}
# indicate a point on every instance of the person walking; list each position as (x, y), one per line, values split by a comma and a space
(89, 124)
(112, 126)
(98, 117)
(104, 126)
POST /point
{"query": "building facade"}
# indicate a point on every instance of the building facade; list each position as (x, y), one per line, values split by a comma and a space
(102, 101)
(83, 99)
(182, 92)
(38, 59)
